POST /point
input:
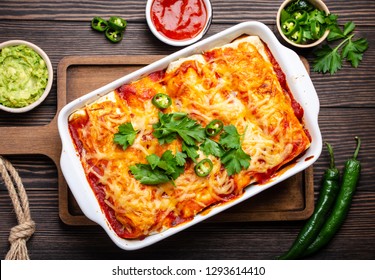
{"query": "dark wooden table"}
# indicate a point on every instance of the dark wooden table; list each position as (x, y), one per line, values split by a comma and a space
(61, 28)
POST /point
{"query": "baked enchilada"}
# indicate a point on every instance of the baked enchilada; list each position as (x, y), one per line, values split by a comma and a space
(163, 148)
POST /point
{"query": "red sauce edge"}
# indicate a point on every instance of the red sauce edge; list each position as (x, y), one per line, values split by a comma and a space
(179, 20)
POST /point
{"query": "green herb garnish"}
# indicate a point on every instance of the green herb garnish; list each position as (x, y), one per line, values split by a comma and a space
(125, 135)
(160, 169)
(330, 60)
(178, 124)
(168, 167)
(234, 158)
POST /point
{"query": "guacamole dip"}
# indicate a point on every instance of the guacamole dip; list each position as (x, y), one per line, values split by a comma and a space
(23, 76)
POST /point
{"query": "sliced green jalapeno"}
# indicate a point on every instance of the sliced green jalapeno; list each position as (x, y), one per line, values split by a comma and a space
(99, 24)
(114, 36)
(117, 23)
(296, 36)
(203, 168)
(214, 127)
(300, 16)
(161, 101)
(316, 29)
(289, 26)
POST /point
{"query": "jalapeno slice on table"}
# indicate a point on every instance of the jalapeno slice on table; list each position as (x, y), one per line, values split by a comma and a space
(117, 23)
(214, 127)
(114, 36)
(203, 168)
(161, 101)
(99, 24)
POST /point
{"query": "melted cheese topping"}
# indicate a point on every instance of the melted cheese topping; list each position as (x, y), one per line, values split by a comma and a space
(235, 83)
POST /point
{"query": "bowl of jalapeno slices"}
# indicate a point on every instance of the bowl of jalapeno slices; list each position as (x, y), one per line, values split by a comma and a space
(304, 23)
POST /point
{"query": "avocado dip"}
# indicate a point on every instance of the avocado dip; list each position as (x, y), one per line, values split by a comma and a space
(23, 76)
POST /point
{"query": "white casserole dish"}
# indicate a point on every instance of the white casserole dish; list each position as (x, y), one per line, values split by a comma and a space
(299, 83)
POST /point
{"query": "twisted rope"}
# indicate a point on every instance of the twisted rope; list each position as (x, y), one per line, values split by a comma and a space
(26, 227)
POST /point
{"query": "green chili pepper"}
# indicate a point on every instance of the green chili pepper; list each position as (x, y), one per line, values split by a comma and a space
(99, 24)
(316, 29)
(289, 26)
(296, 36)
(114, 36)
(214, 127)
(117, 23)
(300, 16)
(204, 167)
(340, 210)
(325, 201)
(161, 101)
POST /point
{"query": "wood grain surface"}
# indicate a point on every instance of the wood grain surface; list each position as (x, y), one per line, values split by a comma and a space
(347, 99)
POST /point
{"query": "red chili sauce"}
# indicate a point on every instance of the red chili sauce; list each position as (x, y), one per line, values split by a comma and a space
(179, 19)
(297, 108)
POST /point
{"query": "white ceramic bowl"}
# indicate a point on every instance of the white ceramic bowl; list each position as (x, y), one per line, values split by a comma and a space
(178, 43)
(316, 3)
(299, 83)
(50, 76)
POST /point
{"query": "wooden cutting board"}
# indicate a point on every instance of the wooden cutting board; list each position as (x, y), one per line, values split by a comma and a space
(292, 199)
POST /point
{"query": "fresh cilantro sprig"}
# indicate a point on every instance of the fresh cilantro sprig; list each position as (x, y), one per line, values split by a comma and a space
(234, 158)
(159, 169)
(126, 135)
(210, 147)
(331, 59)
(194, 138)
(173, 124)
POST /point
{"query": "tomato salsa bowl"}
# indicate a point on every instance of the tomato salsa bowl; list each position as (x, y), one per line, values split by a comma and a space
(179, 23)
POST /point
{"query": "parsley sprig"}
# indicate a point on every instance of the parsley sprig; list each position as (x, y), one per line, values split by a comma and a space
(234, 158)
(168, 167)
(159, 169)
(331, 59)
(171, 125)
(126, 135)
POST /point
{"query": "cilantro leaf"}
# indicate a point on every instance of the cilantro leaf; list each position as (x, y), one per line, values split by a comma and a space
(234, 160)
(153, 160)
(330, 60)
(335, 33)
(191, 151)
(318, 16)
(180, 158)
(284, 15)
(210, 147)
(125, 135)
(361, 45)
(230, 138)
(331, 20)
(171, 125)
(160, 169)
(148, 176)
(353, 50)
(348, 27)
(327, 60)
(169, 163)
